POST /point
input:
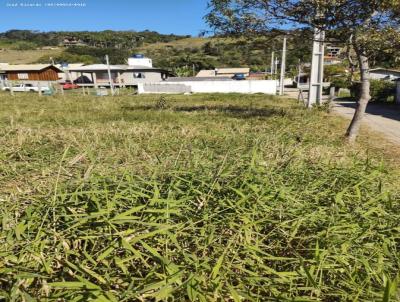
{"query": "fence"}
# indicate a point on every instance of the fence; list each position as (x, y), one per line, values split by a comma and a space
(54, 88)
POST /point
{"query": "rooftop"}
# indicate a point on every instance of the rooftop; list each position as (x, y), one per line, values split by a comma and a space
(232, 70)
(97, 67)
(26, 67)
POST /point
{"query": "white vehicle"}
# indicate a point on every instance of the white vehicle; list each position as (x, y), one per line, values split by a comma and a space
(26, 88)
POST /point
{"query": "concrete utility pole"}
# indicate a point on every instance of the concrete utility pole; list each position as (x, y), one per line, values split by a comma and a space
(109, 75)
(317, 69)
(283, 69)
(272, 63)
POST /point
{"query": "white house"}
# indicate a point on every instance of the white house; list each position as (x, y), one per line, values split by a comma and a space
(121, 75)
(139, 70)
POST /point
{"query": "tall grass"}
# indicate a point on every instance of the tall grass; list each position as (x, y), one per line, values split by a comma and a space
(207, 198)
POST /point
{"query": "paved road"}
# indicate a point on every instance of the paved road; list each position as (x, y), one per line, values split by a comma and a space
(382, 119)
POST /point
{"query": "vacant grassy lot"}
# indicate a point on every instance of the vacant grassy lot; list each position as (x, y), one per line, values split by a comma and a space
(191, 198)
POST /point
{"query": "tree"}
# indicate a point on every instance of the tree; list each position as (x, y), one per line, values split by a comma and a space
(368, 26)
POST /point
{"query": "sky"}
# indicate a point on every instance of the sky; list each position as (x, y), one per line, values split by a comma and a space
(184, 17)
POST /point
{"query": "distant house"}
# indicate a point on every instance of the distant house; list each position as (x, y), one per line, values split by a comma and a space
(384, 74)
(333, 51)
(121, 75)
(206, 73)
(139, 70)
(223, 72)
(30, 73)
(72, 42)
(230, 72)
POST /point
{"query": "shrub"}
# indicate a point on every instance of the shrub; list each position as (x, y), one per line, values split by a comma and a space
(22, 45)
(381, 91)
(340, 82)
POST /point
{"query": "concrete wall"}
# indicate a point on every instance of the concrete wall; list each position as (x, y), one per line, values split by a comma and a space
(161, 88)
(267, 87)
(150, 77)
(288, 82)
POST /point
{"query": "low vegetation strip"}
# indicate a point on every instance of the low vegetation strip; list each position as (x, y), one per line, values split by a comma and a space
(191, 198)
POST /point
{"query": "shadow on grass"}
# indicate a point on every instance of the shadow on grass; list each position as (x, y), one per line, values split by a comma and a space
(234, 111)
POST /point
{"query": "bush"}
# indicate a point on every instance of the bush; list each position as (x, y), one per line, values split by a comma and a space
(66, 57)
(381, 91)
(340, 82)
(22, 45)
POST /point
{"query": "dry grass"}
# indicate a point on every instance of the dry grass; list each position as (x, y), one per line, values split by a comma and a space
(208, 198)
(26, 56)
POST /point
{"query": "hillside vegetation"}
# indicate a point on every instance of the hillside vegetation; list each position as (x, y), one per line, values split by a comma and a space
(167, 51)
(180, 54)
(191, 198)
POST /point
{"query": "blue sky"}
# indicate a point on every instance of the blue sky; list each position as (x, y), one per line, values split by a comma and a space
(164, 16)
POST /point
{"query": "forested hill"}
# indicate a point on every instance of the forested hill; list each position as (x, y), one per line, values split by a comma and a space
(173, 52)
(100, 39)
(180, 54)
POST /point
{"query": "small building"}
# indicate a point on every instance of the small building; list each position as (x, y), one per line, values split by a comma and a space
(68, 42)
(333, 51)
(384, 74)
(31, 73)
(140, 60)
(230, 72)
(206, 73)
(121, 75)
(223, 72)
